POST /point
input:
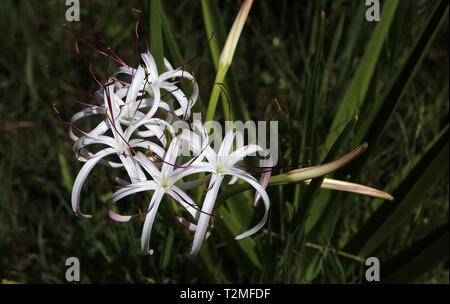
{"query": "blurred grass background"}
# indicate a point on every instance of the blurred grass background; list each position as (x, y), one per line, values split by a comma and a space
(274, 58)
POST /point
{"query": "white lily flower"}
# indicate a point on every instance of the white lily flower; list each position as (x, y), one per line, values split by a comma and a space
(153, 82)
(121, 145)
(120, 114)
(163, 182)
(126, 112)
(219, 165)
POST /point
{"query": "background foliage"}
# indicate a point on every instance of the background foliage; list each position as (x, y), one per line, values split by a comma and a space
(321, 60)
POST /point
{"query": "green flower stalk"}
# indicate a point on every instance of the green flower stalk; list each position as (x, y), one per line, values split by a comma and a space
(226, 57)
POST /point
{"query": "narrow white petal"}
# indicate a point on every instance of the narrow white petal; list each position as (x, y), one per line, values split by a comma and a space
(184, 200)
(150, 64)
(194, 183)
(233, 180)
(171, 156)
(149, 220)
(148, 165)
(130, 166)
(227, 144)
(131, 189)
(208, 205)
(136, 85)
(86, 141)
(251, 180)
(154, 147)
(167, 64)
(81, 177)
(179, 96)
(240, 153)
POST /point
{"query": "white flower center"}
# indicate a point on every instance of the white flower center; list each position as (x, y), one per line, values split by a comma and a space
(221, 166)
(149, 91)
(127, 114)
(120, 144)
(122, 147)
(164, 183)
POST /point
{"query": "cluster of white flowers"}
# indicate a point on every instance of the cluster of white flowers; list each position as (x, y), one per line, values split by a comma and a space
(130, 126)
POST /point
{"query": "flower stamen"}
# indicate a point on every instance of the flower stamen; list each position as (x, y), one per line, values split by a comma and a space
(140, 215)
(136, 30)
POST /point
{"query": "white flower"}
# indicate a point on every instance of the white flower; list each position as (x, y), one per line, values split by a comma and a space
(128, 100)
(220, 164)
(163, 182)
(152, 83)
(119, 144)
(125, 112)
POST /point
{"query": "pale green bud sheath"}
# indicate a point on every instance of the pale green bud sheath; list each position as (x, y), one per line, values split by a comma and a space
(226, 57)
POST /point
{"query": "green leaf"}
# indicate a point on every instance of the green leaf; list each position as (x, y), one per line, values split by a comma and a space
(357, 89)
(174, 51)
(156, 42)
(168, 249)
(303, 213)
(389, 217)
(65, 173)
(244, 251)
(409, 265)
(371, 128)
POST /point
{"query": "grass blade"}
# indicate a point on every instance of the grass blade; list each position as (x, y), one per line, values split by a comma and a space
(372, 127)
(357, 89)
(156, 42)
(410, 264)
(389, 217)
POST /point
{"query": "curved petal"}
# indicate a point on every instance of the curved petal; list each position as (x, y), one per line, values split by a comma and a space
(184, 200)
(81, 177)
(180, 173)
(149, 102)
(194, 183)
(203, 221)
(171, 156)
(249, 179)
(130, 189)
(151, 121)
(100, 129)
(87, 140)
(227, 144)
(136, 85)
(150, 64)
(167, 65)
(154, 131)
(156, 100)
(265, 177)
(233, 180)
(149, 219)
(131, 166)
(124, 70)
(94, 110)
(177, 73)
(186, 224)
(148, 165)
(142, 143)
(179, 96)
(240, 153)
